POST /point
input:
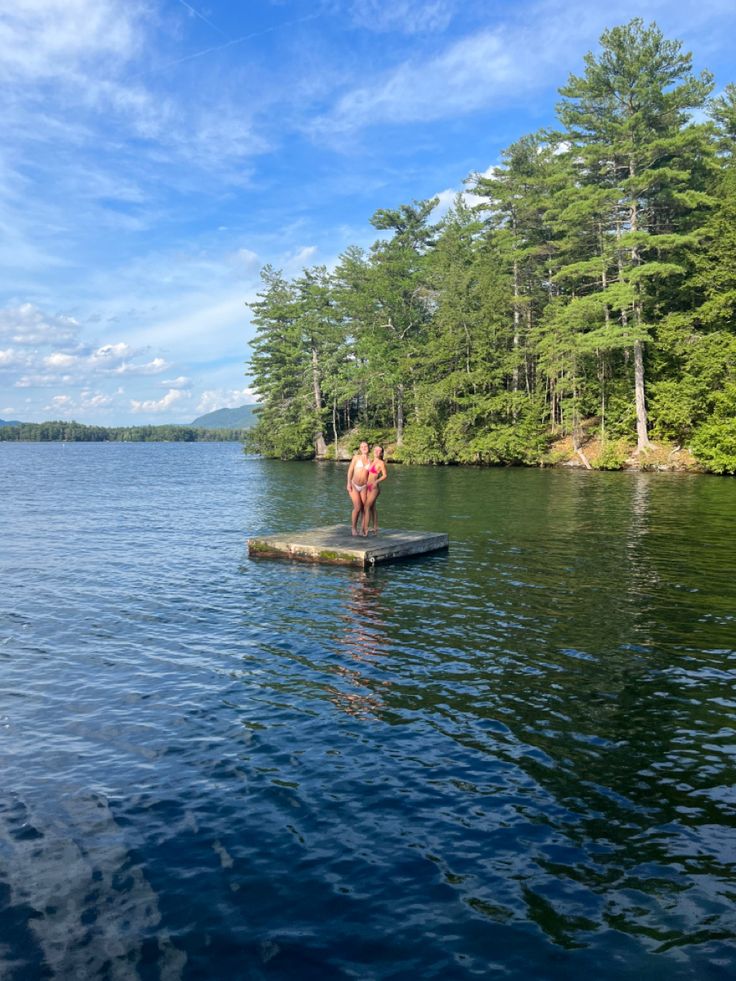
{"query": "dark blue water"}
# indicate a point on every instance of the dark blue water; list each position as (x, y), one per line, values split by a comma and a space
(515, 760)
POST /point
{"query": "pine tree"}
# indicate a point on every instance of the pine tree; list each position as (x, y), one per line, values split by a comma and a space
(396, 309)
(599, 265)
(627, 120)
(281, 368)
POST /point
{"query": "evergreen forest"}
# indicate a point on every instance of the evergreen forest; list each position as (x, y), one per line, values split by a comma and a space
(77, 432)
(582, 292)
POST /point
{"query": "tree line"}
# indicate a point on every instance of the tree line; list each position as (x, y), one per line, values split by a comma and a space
(589, 285)
(77, 432)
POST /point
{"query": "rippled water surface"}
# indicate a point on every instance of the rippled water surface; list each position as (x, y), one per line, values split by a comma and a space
(512, 760)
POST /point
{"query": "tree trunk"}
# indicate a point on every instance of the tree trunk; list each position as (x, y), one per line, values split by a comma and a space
(604, 276)
(642, 436)
(320, 447)
(399, 415)
(577, 433)
(602, 380)
(576, 427)
(517, 317)
(334, 423)
(607, 321)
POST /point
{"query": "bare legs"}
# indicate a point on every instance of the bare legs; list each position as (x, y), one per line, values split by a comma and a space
(369, 510)
(358, 499)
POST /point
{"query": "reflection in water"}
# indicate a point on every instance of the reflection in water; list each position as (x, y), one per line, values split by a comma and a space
(643, 578)
(63, 868)
(362, 639)
(513, 759)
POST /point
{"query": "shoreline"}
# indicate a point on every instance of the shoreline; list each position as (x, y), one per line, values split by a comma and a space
(591, 454)
(662, 458)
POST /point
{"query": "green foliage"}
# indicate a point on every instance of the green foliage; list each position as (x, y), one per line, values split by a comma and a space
(422, 444)
(76, 432)
(371, 435)
(595, 279)
(554, 458)
(468, 440)
(675, 407)
(291, 439)
(612, 456)
(714, 445)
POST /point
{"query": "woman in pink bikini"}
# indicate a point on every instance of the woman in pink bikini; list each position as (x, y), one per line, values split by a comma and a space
(376, 475)
(358, 478)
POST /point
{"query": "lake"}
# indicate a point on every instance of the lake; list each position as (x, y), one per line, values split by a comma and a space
(514, 760)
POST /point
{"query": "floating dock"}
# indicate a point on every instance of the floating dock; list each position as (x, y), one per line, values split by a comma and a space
(336, 545)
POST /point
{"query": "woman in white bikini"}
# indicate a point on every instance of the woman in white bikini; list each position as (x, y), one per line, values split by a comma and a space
(358, 482)
(376, 475)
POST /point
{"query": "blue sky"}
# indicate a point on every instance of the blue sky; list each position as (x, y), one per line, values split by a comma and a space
(157, 153)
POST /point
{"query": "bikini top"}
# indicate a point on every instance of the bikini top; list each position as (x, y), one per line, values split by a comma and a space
(359, 465)
(373, 469)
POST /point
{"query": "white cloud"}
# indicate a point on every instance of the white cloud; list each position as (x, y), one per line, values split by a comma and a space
(33, 330)
(173, 396)
(301, 258)
(68, 69)
(26, 324)
(468, 75)
(90, 401)
(60, 360)
(220, 398)
(448, 197)
(59, 402)
(538, 45)
(43, 39)
(108, 359)
(87, 400)
(11, 359)
(104, 131)
(446, 201)
(43, 381)
(407, 16)
(247, 262)
(111, 354)
(154, 367)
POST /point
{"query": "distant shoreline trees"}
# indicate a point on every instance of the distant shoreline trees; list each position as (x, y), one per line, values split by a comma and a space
(594, 286)
(76, 432)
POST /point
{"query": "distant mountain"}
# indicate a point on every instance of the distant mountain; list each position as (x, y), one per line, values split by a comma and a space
(240, 418)
(10, 422)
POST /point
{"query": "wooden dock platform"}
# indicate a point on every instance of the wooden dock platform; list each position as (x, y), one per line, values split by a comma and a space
(336, 545)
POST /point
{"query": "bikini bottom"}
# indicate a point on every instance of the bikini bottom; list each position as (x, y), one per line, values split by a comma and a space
(358, 487)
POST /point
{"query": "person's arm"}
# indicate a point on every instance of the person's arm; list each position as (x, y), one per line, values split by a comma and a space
(350, 471)
(383, 474)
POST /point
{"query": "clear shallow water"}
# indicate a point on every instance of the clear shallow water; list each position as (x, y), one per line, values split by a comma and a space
(514, 760)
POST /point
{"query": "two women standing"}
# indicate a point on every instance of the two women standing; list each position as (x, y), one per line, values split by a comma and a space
(364, 477)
